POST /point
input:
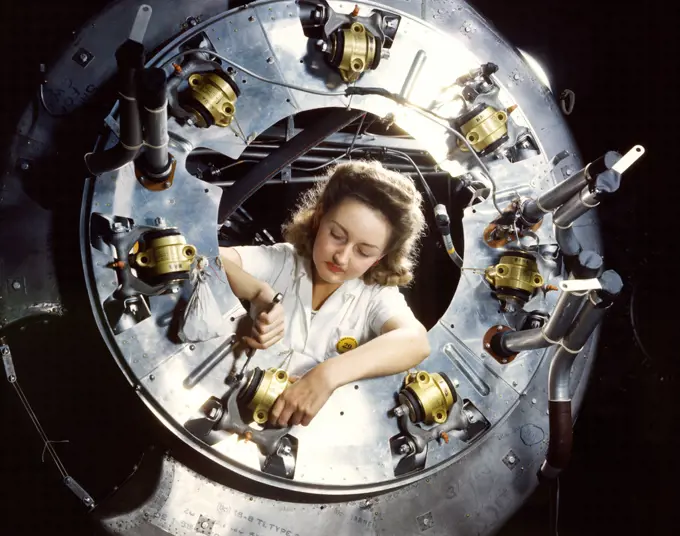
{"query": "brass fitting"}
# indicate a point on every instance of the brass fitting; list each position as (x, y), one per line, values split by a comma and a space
(262, 390)
(429, 397)
(165, 254)
(211, 99)
(353, 51)
(515, 277)
(485, 130)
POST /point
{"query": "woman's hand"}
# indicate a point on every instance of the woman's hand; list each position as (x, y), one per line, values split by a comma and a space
(268, 327)
(300, 402)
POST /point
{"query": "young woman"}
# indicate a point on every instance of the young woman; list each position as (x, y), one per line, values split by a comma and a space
(349, 245)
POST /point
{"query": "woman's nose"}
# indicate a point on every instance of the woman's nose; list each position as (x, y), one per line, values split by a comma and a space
(341, 257)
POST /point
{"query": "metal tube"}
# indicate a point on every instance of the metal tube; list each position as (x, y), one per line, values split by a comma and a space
(413, 74)
(130, 59)
(514, 342)
(566, 239)
(559, 194)
(576, 207)
(565, 311)
(153, 96)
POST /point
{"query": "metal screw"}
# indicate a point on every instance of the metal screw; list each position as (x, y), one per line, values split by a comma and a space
(456, 383)
(87, 500)
(322, 45)
(487, 345)
(426, 521)
(160, 222)
(213, 413)
(192, 347)
(568, 172)
(152, 377)
(204, 525)
(511, 460)
(404, 449)
(533, 400)
(270, 60)
(25, 166)
(398, 412)
(166, 185)
(16, 285)
(516, 76)
(468, 29)
(286, 449)
(190, 122)
(83, 57)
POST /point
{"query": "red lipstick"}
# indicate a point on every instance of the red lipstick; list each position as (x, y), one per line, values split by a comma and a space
(334, 268)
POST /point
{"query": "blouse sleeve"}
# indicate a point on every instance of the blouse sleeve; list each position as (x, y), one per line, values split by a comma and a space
(388, 302)
(264, 262)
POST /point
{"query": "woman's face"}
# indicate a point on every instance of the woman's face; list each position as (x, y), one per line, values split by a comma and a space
(351, 238)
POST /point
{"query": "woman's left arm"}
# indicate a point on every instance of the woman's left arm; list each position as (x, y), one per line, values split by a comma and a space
(401, 345)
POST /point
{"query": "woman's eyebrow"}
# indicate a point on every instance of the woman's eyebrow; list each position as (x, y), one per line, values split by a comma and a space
(345, 231)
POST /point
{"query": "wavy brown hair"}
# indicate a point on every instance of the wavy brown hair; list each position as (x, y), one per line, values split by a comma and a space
(391, 193)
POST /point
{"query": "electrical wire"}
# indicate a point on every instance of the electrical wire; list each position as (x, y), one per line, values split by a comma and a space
(220, 170)
(426, 186)
(254, 75)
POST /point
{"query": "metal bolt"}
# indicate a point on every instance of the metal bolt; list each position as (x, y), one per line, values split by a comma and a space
(568, 172)
(16, 285)
(404, 449)
(468, 29)
(5, 351)
(190, 122)
(286, 449)
(83, 57)
(152, 377)
(117, 227)
(533, 400)
(426, 521)
(487, 345)
(499, 328)
(270, 60)
(516, 76)
(166, 184)
(385, 54)
(322, 45)
(205, 525)
(456, 383)
(511, 460)
(398, 412)
(25, 166)
(160, 222)
(213, 413)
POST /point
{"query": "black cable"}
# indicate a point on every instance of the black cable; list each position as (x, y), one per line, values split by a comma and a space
(554, 506)
(426, 186)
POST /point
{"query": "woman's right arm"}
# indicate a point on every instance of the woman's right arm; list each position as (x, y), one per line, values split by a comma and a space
(268, 326)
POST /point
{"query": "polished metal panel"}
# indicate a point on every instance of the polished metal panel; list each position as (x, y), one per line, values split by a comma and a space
(465, 488)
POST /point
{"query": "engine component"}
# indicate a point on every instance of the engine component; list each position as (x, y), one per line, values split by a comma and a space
(484, 127)
(211, 99)
(354, 50)
(261, 391)
(353, 43)
(165, 256)
(429, 397)
(477, 81)
(515, 279)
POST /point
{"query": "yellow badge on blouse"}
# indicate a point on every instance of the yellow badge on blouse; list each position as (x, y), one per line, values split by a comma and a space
(346, 344)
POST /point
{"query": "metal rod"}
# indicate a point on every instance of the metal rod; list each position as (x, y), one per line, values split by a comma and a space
(514, 342)
(413, 73)
(213, 359)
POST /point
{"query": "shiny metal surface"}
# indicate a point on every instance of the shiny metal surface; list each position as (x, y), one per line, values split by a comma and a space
(465, 488)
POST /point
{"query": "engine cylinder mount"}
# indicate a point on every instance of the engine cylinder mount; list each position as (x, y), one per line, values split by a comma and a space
(429, 397)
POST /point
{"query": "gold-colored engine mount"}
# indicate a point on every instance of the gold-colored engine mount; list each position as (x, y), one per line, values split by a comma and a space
(273, 383)
(515, 277)
(215, 95)
(353, 51)
(484, 129)
(166, 255)
(429, 397)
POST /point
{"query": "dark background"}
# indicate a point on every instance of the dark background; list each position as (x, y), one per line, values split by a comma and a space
(622, 477)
